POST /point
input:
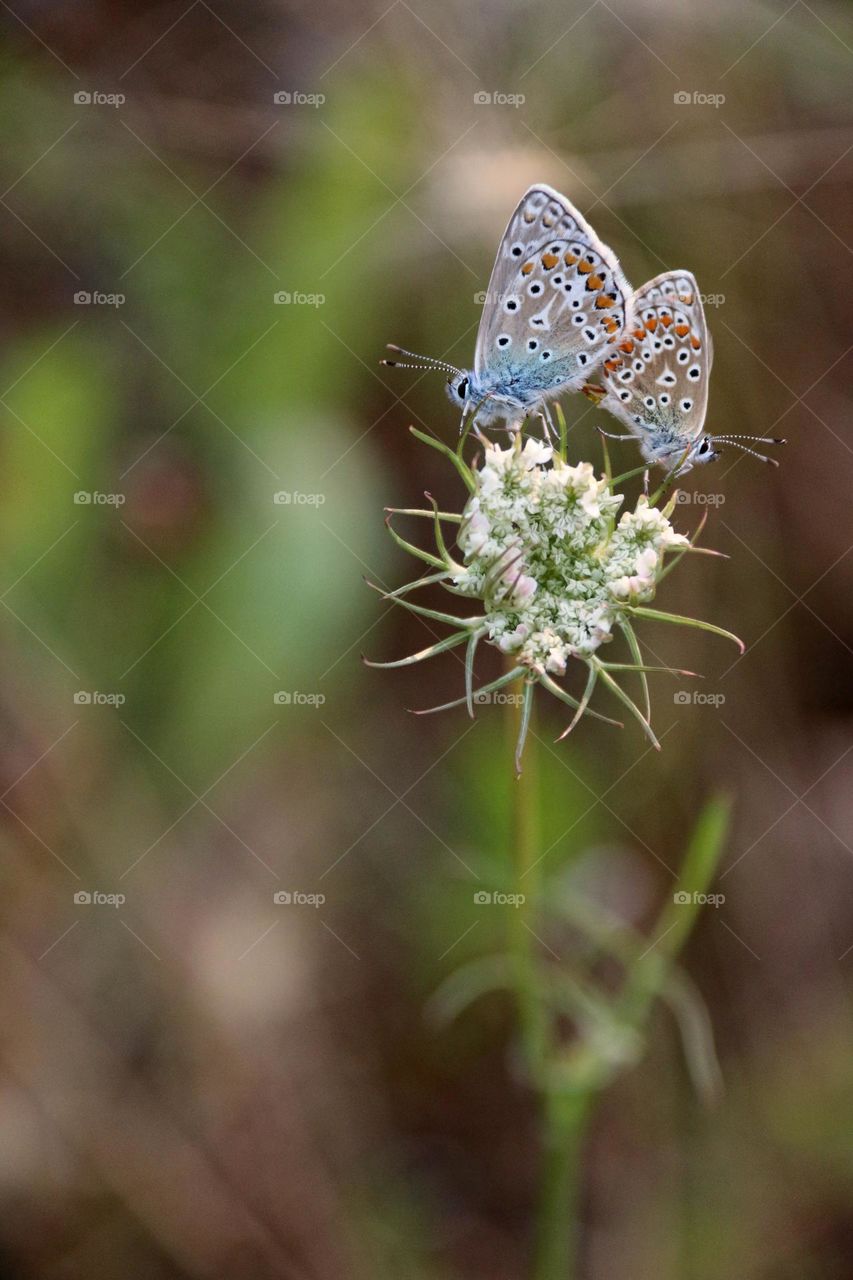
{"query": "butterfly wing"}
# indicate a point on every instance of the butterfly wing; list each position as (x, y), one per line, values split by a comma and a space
(557, 297)
(656, 376)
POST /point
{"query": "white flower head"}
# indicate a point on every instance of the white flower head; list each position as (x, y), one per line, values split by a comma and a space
(557, 569)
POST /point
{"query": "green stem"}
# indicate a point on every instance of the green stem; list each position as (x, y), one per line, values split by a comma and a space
(563, 1110)
(525, 846)
(565, 1122)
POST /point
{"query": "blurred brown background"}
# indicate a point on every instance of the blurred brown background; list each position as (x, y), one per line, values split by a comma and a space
(203, 1081)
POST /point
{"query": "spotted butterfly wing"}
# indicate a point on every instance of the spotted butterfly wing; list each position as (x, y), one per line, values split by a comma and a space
(656, 375)
(556, 299)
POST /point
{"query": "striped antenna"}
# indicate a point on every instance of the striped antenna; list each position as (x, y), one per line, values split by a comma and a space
(426, 362)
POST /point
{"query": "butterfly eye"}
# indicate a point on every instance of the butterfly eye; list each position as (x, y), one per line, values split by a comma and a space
(462, 388)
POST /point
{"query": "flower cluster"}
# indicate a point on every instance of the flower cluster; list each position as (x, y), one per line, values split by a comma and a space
(558, 571)
(544, 554)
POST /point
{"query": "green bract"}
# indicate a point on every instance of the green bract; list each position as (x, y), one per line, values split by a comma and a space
(558, 571)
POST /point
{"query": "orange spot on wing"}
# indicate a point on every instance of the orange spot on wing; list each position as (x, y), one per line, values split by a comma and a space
(570, 259)
(652, 324)
(584, 267)
(682, 330)
(595, 282)
(527, 268)
(639, 333)
(666, 321)
(627, 346)
(612, 364)
(610, 323)
(549, 260)
(603, 303)
(694, 342)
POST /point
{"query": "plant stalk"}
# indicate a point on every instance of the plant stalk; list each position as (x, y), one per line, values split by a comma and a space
(565, 1117)
(524, 806)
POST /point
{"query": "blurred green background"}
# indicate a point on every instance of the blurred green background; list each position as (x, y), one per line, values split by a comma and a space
(202, 1081)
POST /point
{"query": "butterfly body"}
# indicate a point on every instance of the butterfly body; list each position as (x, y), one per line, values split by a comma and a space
(556, 298)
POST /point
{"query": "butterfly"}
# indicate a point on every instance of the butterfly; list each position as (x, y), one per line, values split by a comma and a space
(556, 300)
(656, 377)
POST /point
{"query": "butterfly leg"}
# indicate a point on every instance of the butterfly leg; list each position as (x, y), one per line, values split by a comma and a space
(610, 436)
(548, 423)
(646, 482)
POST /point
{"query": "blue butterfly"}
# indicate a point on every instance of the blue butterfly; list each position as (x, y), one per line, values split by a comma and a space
(556, 300)
(656, 377)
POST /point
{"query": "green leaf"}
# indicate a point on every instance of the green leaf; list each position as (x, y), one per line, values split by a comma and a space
(476, 636)
(467, 984)
(620, 693)
(463, 469)
(552, 687)
(413, 550)
(449, 642)
(436, 615)
(655, 615)
(628, 632)
(584, 702)
(524, 725)
(697, 1035)
(451, 516)
(478, 693)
